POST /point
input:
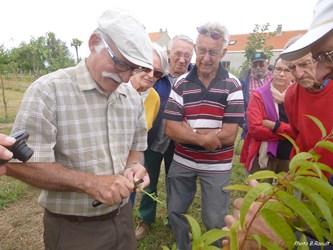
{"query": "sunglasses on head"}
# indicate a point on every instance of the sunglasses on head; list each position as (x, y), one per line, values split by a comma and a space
(203, 31)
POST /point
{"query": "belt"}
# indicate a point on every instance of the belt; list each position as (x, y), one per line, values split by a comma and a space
(75, 218)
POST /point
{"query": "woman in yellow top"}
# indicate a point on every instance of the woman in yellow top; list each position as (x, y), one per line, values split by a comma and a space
(143, 83)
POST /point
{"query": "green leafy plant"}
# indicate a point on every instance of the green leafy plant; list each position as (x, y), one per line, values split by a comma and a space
(300, 200)
(202, 241)
(153, 196)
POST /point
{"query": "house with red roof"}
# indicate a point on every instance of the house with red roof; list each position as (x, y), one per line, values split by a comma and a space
(161, 38)
(235, 55)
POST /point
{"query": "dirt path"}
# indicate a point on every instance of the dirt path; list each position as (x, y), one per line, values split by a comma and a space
(21, 224)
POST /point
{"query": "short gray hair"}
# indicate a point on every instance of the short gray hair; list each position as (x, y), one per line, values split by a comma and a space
(218, 28)
(163, 56)
(179, 37)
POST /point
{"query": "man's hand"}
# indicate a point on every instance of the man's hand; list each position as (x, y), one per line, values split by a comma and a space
(5, 154)
(136, 173)
(268, 124)
(258, 226)
(6, 141)
(209, 139)
(110, 189)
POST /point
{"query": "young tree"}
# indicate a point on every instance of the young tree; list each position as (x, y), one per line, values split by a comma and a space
(76, 43)
(42, 55)
(257, 41)
(4, 61)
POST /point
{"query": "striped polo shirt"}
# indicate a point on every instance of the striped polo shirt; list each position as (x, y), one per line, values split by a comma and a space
(222, 102)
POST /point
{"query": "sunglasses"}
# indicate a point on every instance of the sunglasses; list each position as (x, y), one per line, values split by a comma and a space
(158, 74)
(203, 31)
(122, 66)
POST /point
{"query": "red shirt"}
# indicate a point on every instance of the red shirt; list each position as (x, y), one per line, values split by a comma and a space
(300, 102)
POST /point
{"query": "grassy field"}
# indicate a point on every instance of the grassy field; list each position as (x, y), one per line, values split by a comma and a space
(11, 190)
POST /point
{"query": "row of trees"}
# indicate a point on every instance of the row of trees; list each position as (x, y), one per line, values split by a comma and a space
(48, 53)
(40, 56)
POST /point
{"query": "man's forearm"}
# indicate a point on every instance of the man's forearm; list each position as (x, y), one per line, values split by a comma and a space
(49, 176)
(228, 134)
(135, 157)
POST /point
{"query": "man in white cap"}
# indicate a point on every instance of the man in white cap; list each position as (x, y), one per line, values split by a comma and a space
(319, 41)
(310, 100)
(88, 131)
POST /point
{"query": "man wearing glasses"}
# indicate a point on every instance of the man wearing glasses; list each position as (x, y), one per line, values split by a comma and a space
(143, 82)
(318, 41)
(88, 131)
(254, 78)
(160, 147)
(203, 113)
(313, 72)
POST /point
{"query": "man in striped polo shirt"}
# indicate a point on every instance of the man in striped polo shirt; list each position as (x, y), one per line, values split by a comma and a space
(203, 113)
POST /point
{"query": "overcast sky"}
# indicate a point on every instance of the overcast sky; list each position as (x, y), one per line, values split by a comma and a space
(22, 19)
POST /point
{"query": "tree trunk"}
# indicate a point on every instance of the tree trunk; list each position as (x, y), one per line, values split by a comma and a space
(4, 97)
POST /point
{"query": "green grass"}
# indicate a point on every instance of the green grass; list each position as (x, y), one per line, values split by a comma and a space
(11, 190)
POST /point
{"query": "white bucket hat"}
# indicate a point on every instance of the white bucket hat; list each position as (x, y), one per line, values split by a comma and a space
(321, 24)
(129, 36)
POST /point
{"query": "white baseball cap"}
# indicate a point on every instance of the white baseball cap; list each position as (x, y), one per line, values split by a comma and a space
(322, 23)
(129, 36)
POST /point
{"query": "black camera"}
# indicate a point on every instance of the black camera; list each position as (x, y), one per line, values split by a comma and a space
(20, 149)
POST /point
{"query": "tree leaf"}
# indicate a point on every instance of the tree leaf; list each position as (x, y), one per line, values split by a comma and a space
(251, 196)
(306, 172)
(303, 246)
(195, 228)
(265, 242)
(318, 200)
(263, 174)
(319, 124)
(211, 248)
(280, 227)
(326, 145)
(322, 187)
(300, 209)
(278, 207)
(294, 161)
(292, 141)
(308, 165)
(234, 235)
(238, 187)
(213, 235)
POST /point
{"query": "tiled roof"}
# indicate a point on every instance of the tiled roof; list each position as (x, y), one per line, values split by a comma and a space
(278, 41)
(154, 36)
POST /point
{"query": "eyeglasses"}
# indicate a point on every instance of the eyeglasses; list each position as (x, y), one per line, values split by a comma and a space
(278, 70)
(158, 74)
(324, 57)
(303, 65)
(203, 31)
(259, 64)
(186, 56)
(121, 66)
(202, 51)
